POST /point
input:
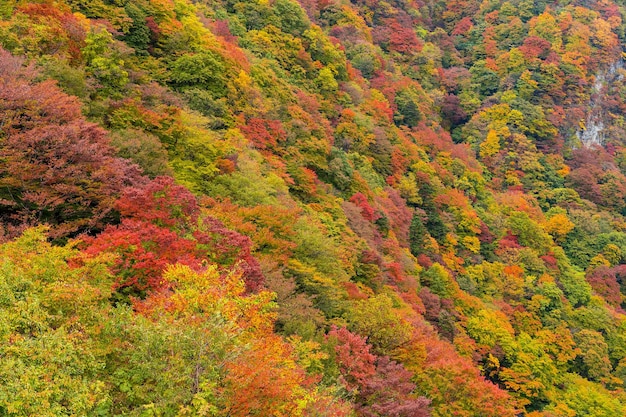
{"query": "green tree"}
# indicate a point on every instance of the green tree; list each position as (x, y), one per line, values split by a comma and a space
(204, 70)
(104, 61)
(138, 35)
(377, 319)
(417, 235)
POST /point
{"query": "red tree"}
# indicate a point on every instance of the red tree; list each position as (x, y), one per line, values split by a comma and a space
(56, 167)
(381, 386)
(161, 226)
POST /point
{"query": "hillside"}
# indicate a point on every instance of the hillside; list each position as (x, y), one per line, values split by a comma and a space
(312, 208)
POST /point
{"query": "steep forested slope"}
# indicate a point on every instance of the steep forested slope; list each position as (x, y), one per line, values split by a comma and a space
(315, 208)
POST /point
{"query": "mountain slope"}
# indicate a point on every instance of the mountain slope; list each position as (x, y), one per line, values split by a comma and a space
(379, 208)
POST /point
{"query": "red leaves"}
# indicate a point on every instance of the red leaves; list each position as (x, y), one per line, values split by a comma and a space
(264, 133)
(509, 241)
(161, 202)
(403, 39)
(57, 168)
(396, 34)
(63, 27)
(595, 177)
(463, 26)
(380, 385)
(161, 227)
(535, 47)
(144, 250)
(229, 248)
(604, 282)
(367, 211)
(389, 393)
(355, 361)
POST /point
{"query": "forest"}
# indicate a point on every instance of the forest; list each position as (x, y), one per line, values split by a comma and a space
(313, 208)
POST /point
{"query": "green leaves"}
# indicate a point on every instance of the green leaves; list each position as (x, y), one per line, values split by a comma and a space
(203, 70)
(50, 362)
(104, 60)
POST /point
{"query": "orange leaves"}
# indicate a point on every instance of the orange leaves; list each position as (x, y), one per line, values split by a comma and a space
(54, 29)
(269, 227)
(452, 198)
(454, 384)
(267, 381)
(195, 296)
(520, 202)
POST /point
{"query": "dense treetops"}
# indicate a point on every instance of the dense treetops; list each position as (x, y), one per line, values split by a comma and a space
(312, 208)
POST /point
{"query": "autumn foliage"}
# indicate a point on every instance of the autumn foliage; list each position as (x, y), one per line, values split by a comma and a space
(312, 208)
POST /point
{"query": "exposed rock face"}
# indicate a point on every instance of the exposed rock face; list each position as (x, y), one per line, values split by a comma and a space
(592, 131)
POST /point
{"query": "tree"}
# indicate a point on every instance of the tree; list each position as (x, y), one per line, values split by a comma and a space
(417, 235)
(376, 319)
(491, 146)
(161, 225)
(138, 35)
(204, 70)
(49, 314)
(143, 149)
(104, 61)
(203, 348)
(409, 113)
(380, 386)
(593, 361)
(57, 168)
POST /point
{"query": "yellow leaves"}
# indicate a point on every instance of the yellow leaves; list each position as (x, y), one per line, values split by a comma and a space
(471, 243)
(412, 355)
(598, 260)
(408, 190)
(450, 241)
(545, 26)
(516, 117)
(469, 223)
(612, 253)
(558, 226)
(326, 81)
(198, 296)
(515, 61)
(378, 96)
(498, 115)
(508, 96)
(243, 81)
(309, 354)
(513, 281)
(523, 383)
(559, 344)
(490, 327)
(603, 35)
(560, 410)
(378, 319)
(491, 145)
(492, 365)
